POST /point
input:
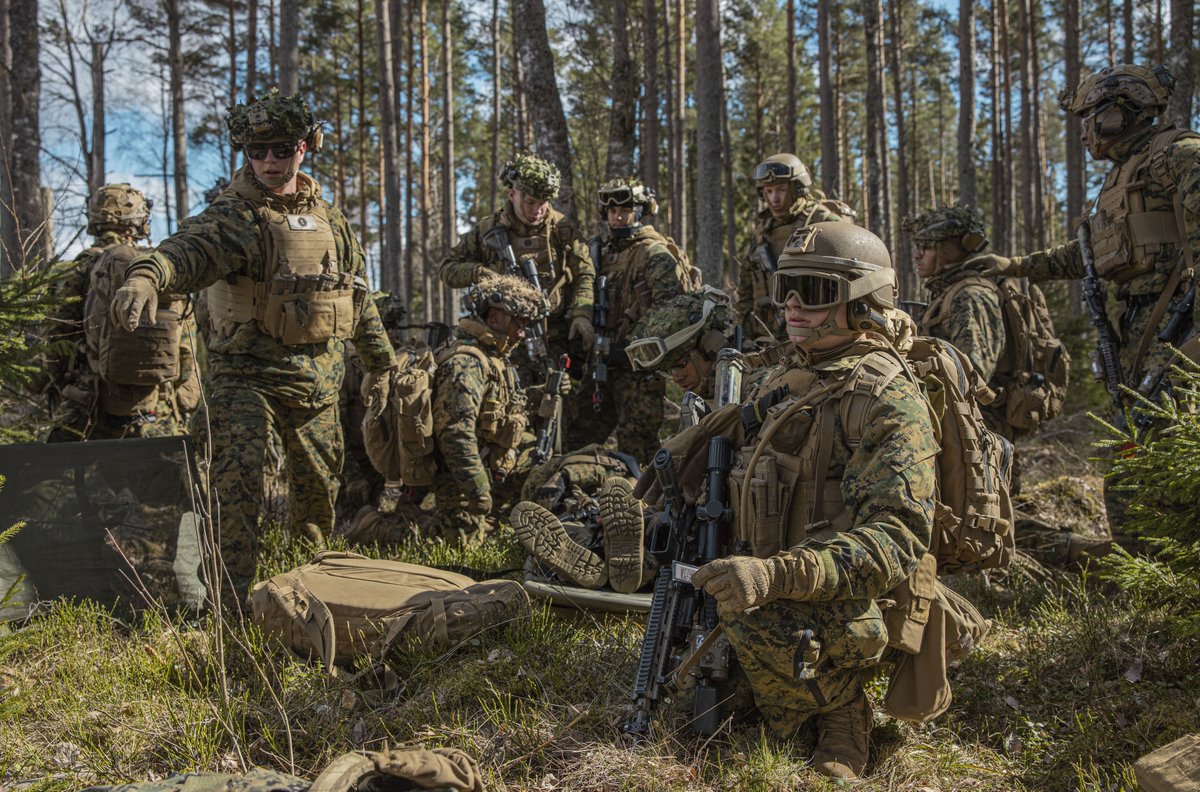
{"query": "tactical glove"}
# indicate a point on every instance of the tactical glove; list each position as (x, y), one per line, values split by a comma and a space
(741, 582)
(138, 298)
(1000, 266)
(378, 381)
(581, 328)
(480, 504)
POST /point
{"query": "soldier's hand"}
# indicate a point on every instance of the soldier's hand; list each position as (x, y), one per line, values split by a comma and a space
(1000, 266)
(138, 298)
(739, 582)
(480, 504)
(581, 328)
(378, 381)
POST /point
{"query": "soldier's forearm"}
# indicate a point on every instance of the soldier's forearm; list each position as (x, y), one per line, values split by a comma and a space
(459, 274)
(1058, 263)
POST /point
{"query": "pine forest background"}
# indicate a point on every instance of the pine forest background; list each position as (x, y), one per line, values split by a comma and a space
(895, 105)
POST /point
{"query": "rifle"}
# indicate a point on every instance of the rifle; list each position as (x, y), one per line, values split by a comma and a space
(603, 345)
(762, 254)
(497, 239)
(1106, 363)
(549, 439)
(684, 618)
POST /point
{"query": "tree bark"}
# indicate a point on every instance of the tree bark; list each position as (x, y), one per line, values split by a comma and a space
(876, 147)
(251, 49)
(830, 167)
(390, 275)
(8, 241)
(674, 205)
(30, 221)
(361, 46)
(966, 104)
(231, 49)
(1028, 141)
(97, 168)
(432, 290)
(410, 266)
(546, 118)
(495, 162)
(449, 188)
(1010, 189)
(999, 233)
(289, 46)
(178, 124)
(650, 102)
(908, 283)
(679, 223)
(521, 128)
(622, 119)
(728, 278)
(1127, 28)
(708, 140)
(790, 108)
(1076, 167)
(1179, 61)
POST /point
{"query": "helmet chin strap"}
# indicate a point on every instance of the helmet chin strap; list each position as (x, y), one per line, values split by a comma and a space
(827, 328)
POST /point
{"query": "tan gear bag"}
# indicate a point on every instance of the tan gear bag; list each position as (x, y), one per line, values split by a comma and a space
(343, 605)
(1173, 768)
(398, 432)
(400, 770)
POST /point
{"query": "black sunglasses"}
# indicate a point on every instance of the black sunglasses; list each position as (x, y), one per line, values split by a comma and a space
(258, 151)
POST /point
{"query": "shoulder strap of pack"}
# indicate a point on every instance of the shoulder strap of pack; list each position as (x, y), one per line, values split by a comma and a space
(1160, 144)
(861, 390)
(938, 310)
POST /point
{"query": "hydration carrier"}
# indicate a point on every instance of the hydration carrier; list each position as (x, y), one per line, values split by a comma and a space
(131, 365)
(398, 433)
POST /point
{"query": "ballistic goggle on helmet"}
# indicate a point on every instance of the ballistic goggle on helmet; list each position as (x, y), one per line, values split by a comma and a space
(626, 192)
(781, 168)
(827, 264)
(666, 336)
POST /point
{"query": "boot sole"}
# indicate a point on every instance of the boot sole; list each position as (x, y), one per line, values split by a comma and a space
(621, 517)
(543, 537)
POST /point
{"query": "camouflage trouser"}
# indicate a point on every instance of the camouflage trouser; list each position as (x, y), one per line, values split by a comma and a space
(632, 405)
(454, 523)
(74, 422)
(795, 676)
(242, 420)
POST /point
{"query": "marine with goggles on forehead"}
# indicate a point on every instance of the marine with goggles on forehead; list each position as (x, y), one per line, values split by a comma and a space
(790, 201)
(636, 268)
(842, 504)
(285, 281)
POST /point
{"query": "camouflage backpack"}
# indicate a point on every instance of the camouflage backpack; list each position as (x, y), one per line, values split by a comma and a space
(1031, 376)
(344, 605)
(398, 432)
(693, 279)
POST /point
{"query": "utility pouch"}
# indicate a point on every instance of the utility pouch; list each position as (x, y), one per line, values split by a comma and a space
(768, 501)
(913, 599)
(299, 312)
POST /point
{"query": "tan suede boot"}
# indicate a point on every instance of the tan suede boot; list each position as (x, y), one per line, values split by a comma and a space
(621, 519)
(543, 537)
(842, 739)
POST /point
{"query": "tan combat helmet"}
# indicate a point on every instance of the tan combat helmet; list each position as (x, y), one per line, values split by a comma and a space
(273, 118)
(628, 192)
(510, 293)
(957, 231)
(783, 168)
(532, 176)
(827, 264)
(1140, 94)
(119, 208)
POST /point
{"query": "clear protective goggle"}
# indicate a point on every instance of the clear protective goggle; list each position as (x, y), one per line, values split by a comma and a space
(646, 353)
(617, 196)
(770, 171)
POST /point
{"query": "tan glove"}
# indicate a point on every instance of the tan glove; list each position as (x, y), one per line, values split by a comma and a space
(1000, 266)
(741, 582)
(581, 328)
(480, 504)
(379, 381)
(136, 300)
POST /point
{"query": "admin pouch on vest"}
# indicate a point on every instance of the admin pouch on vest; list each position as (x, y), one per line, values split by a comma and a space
(919, 688)
(403, 769)
(110, 521)
(342, 605)
(307, 300)
(1126, 235)
(1173, 768)
(131, 366)
(1031, 376)
(398, 433)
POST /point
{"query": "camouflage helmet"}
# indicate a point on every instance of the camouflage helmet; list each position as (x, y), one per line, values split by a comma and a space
(1140, 92)
(121, 208)
(664, 338)
(628, 191)
(964, 224)
(782, 168)
(273, 117)
(827, 264)
(531, 175)
(510, 293)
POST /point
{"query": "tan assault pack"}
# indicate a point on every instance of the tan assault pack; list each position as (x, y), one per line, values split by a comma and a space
(131, 365)
(693, 279)
(344, 605)
(398, 432)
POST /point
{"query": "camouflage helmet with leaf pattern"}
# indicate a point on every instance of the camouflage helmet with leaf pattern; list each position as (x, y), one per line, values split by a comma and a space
(948, 222)
(121, 208)
(273, 117)
(531, 175)
(510, 293)
(682, 324)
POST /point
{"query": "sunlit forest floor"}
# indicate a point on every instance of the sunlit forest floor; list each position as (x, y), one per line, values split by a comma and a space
(1074, 682)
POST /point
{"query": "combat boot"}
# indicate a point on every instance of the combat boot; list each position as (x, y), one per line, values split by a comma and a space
(621, 519)
(544, 538)
(1081, 550)
(842, 739)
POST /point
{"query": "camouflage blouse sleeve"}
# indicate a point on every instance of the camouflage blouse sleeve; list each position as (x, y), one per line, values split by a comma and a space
(663, 276)
(1056, 263)
(460, 267)
(459, 391)
(888, 488)
(370, 336)
(224, 238)
(1183, 163)
(583, 277)
(976, 326)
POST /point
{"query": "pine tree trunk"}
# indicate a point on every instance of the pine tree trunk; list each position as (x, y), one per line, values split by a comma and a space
(908, 283)
(728, 278)
(966, 104)
(1028, 141)
(390, 275)
(449, 188)
(521, 128)
(493, 198)
(1037, 131)
(999, 235)
(830, 167)
(272, 43)
(1010, 186)
(361, 47)
(708, 140)
(97, 168)
(680, 164)
(251, 48)
(231, 50)
(339, 120)
(8, 238)
(289, 46)
(876, 149)
(28, 206)
(410, 263)
(433, 308)
(1127, 28)
(649, 164)
(1076, 167)
(178, 124)
(547, 121)
(1179, 61)
(674, 203)
(790, 107)
(622, 119)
